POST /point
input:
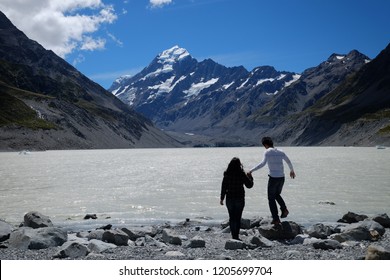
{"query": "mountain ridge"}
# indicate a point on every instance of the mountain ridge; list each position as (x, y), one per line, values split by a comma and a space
(234, 106)
(48, 104)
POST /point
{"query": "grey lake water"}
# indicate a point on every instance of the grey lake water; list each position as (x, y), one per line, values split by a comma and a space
(148, 186)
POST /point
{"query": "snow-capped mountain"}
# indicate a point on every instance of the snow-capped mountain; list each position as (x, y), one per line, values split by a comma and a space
(175, 87)
(230, 105)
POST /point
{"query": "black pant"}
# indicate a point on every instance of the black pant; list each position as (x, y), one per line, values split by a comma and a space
(235, 208)
(275, 187)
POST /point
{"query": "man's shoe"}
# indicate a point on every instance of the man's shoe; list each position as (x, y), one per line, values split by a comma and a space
(277, 225)
(284, 213)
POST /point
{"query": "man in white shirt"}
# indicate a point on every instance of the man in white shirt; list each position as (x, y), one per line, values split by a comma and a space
(274, 159)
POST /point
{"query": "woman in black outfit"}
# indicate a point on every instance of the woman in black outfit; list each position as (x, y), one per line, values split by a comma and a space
(234, 179)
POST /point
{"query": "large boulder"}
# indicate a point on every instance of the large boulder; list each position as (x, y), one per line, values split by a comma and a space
(320, 231)
(40, 238)
(233, 244)
(5, 230)
(171, 237)
(35, 219)
(96, 234)
(365, 230)
(287, 230)
(383, 220)
(116, 236)
(327, 244)
(196, 242)
(136, 232)
(98, 246)
(375, 252)
(351, 217)
(260, 241)
(72, 250)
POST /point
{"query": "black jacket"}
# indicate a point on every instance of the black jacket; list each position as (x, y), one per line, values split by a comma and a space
(233, 185)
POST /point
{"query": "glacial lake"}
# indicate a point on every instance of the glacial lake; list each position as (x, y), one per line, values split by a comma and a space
(149, 186)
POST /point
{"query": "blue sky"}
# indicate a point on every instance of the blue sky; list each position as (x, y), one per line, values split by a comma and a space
(105, 39)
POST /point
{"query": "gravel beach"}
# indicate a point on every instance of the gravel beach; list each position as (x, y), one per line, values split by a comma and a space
(196, 240)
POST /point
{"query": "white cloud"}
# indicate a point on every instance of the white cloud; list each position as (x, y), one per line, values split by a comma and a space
(79, 59)
(91, 44)
(115, 39)
(61, 25)
(159, 3)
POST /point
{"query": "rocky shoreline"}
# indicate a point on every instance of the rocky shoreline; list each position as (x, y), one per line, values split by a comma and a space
(353, 237)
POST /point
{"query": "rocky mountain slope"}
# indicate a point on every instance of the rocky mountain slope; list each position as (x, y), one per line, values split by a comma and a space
(207, 103)
(357, 112)
(47, 104)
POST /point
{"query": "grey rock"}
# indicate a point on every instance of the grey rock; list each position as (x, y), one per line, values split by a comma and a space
(288, 230)
(83, 234)
(72, 250)
(299, 239)
(233, 244)
(170, 237)
(35, 219)
(365, 230)
(90, 216)
(351, 217)
(383, 220)
(310, 241)
(116, 236)
(261, 241)
(376, 252)
(40, 238)
(245, 223)
(137, 232)
(5, 230)
(196, 242)
(320, 231)
(98, 246)
(327, 244)
(202, 228)
(96, 234)
(255, 222)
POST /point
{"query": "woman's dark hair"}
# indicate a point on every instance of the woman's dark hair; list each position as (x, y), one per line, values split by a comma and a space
(234, 167)
(267, 141)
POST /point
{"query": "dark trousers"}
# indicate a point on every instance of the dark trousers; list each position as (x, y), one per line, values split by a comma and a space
(235, 208)
(275, 187)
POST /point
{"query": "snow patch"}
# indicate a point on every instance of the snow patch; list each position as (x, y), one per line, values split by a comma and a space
(195, 89)
(295, 78)
(243, 84)
(259, 82)
(227, 85)
(167, 86)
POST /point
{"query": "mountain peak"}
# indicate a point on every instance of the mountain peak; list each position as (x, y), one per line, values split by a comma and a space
(5, 23)
(172, 55)
(354, 54)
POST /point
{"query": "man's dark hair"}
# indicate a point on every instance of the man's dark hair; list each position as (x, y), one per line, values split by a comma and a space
(267, 141)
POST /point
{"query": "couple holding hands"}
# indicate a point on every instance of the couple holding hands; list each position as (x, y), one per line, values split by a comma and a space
(235, 178)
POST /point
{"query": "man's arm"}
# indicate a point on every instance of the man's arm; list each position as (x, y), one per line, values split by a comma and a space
(288, 161)
(260, 165)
